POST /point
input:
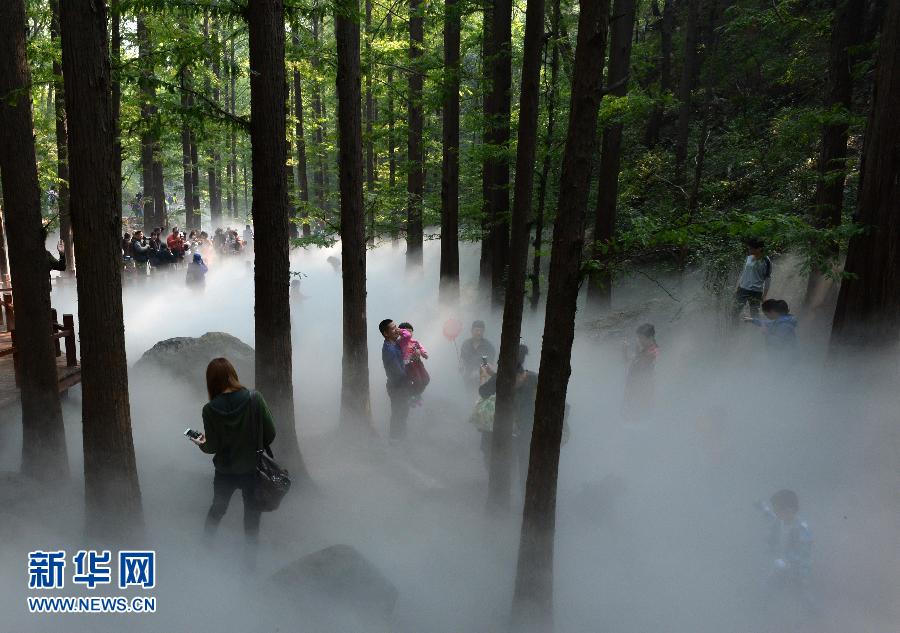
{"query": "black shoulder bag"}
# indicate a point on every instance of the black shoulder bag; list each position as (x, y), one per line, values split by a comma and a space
(272, 481)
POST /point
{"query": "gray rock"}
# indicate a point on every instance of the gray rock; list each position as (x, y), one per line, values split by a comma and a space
(339, 577)
(185, 358)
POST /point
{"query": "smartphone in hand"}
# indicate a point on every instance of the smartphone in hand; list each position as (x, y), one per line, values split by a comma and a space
(192, 434)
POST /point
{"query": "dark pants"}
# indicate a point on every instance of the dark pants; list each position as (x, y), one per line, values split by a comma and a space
(224, 485)
(750, 297)
(399, 410)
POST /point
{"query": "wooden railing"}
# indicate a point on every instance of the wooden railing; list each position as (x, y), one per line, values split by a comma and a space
(64, 331)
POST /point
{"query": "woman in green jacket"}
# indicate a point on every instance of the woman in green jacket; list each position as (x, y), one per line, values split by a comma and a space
(231, 435)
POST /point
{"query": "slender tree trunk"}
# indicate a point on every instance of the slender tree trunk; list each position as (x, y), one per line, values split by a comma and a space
(370, 119)
(214, 171)
(195, 181)
(4, 260)
(190, 220)
(533, 601)
(319, 112)
(622, 26)
(392, 142)
(488, 176)
(148, 141)
(449, 281)
(43, 436)
(302, 178)
(232, 108)
(62, 150)
(552, 93)
(689, 72)
(868, 306)
(268, 139)
(116, 90)
(227, 65)
(501, 85)
(846, 32)
(501, 450)
(666, 28)
(415, 180)
(355, 408)
(112, 492)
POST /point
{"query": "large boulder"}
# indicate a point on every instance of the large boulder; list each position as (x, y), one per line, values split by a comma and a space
(339, 576)
(185, 357)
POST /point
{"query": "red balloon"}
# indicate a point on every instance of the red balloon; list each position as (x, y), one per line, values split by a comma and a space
(452, 328)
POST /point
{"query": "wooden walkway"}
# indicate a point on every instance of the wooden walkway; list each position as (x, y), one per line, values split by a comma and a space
(69, 376)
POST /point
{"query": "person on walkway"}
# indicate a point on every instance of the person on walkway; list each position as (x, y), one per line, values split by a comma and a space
(779, 326)
(640, 384)
(231, 435)
(196, 272)
(753, 285)
(140, 250)
(399, 387)
(473, 353)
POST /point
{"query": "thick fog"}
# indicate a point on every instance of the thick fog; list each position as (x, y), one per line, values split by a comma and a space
(656, 531)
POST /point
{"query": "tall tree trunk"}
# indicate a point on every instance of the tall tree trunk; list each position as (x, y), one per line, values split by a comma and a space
(112, 492)
(488, 177)
(552, 93)
(268, 139)
(148, 141)
(846, 32)
(190, 220)
(868, 307)
(689, 72)
(370, 120)
(232, 108)
(62, 150)
(226, 101)
(622, 26)
(195, 181)
(449, 281)
(302, 178)
(43, 436)
(116, 94)
(415, 180)
(319, 112)
(214, 171)
(501, 450)
(533, 601)
(392, 142)
(501, 85)
(355, 408)
(666, 28)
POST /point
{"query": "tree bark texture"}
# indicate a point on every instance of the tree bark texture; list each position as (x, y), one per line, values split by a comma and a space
(116, 90)
(355, 405)
(689, 72)
(514, 302)
(666, 28)
(112, 492)
(43, 436)
(302, 177)
(846, 32)
(449, 269)
(533, 601)
(62, 147)
(498, 138)
(370, 120)
(268, 140)
(868, 307)
(415, 179)
(621, 25)
(552, 95)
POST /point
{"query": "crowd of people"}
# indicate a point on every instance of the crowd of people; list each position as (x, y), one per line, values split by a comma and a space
(167, 250)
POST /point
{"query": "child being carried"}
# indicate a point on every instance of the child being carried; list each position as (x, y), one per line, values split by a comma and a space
(413, 353)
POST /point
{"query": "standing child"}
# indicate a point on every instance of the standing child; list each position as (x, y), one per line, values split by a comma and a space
(413, 353)
(790, 545)
(780, 326)
(639, 384)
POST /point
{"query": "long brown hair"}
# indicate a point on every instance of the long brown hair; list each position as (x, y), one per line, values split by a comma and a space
(221, 376)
